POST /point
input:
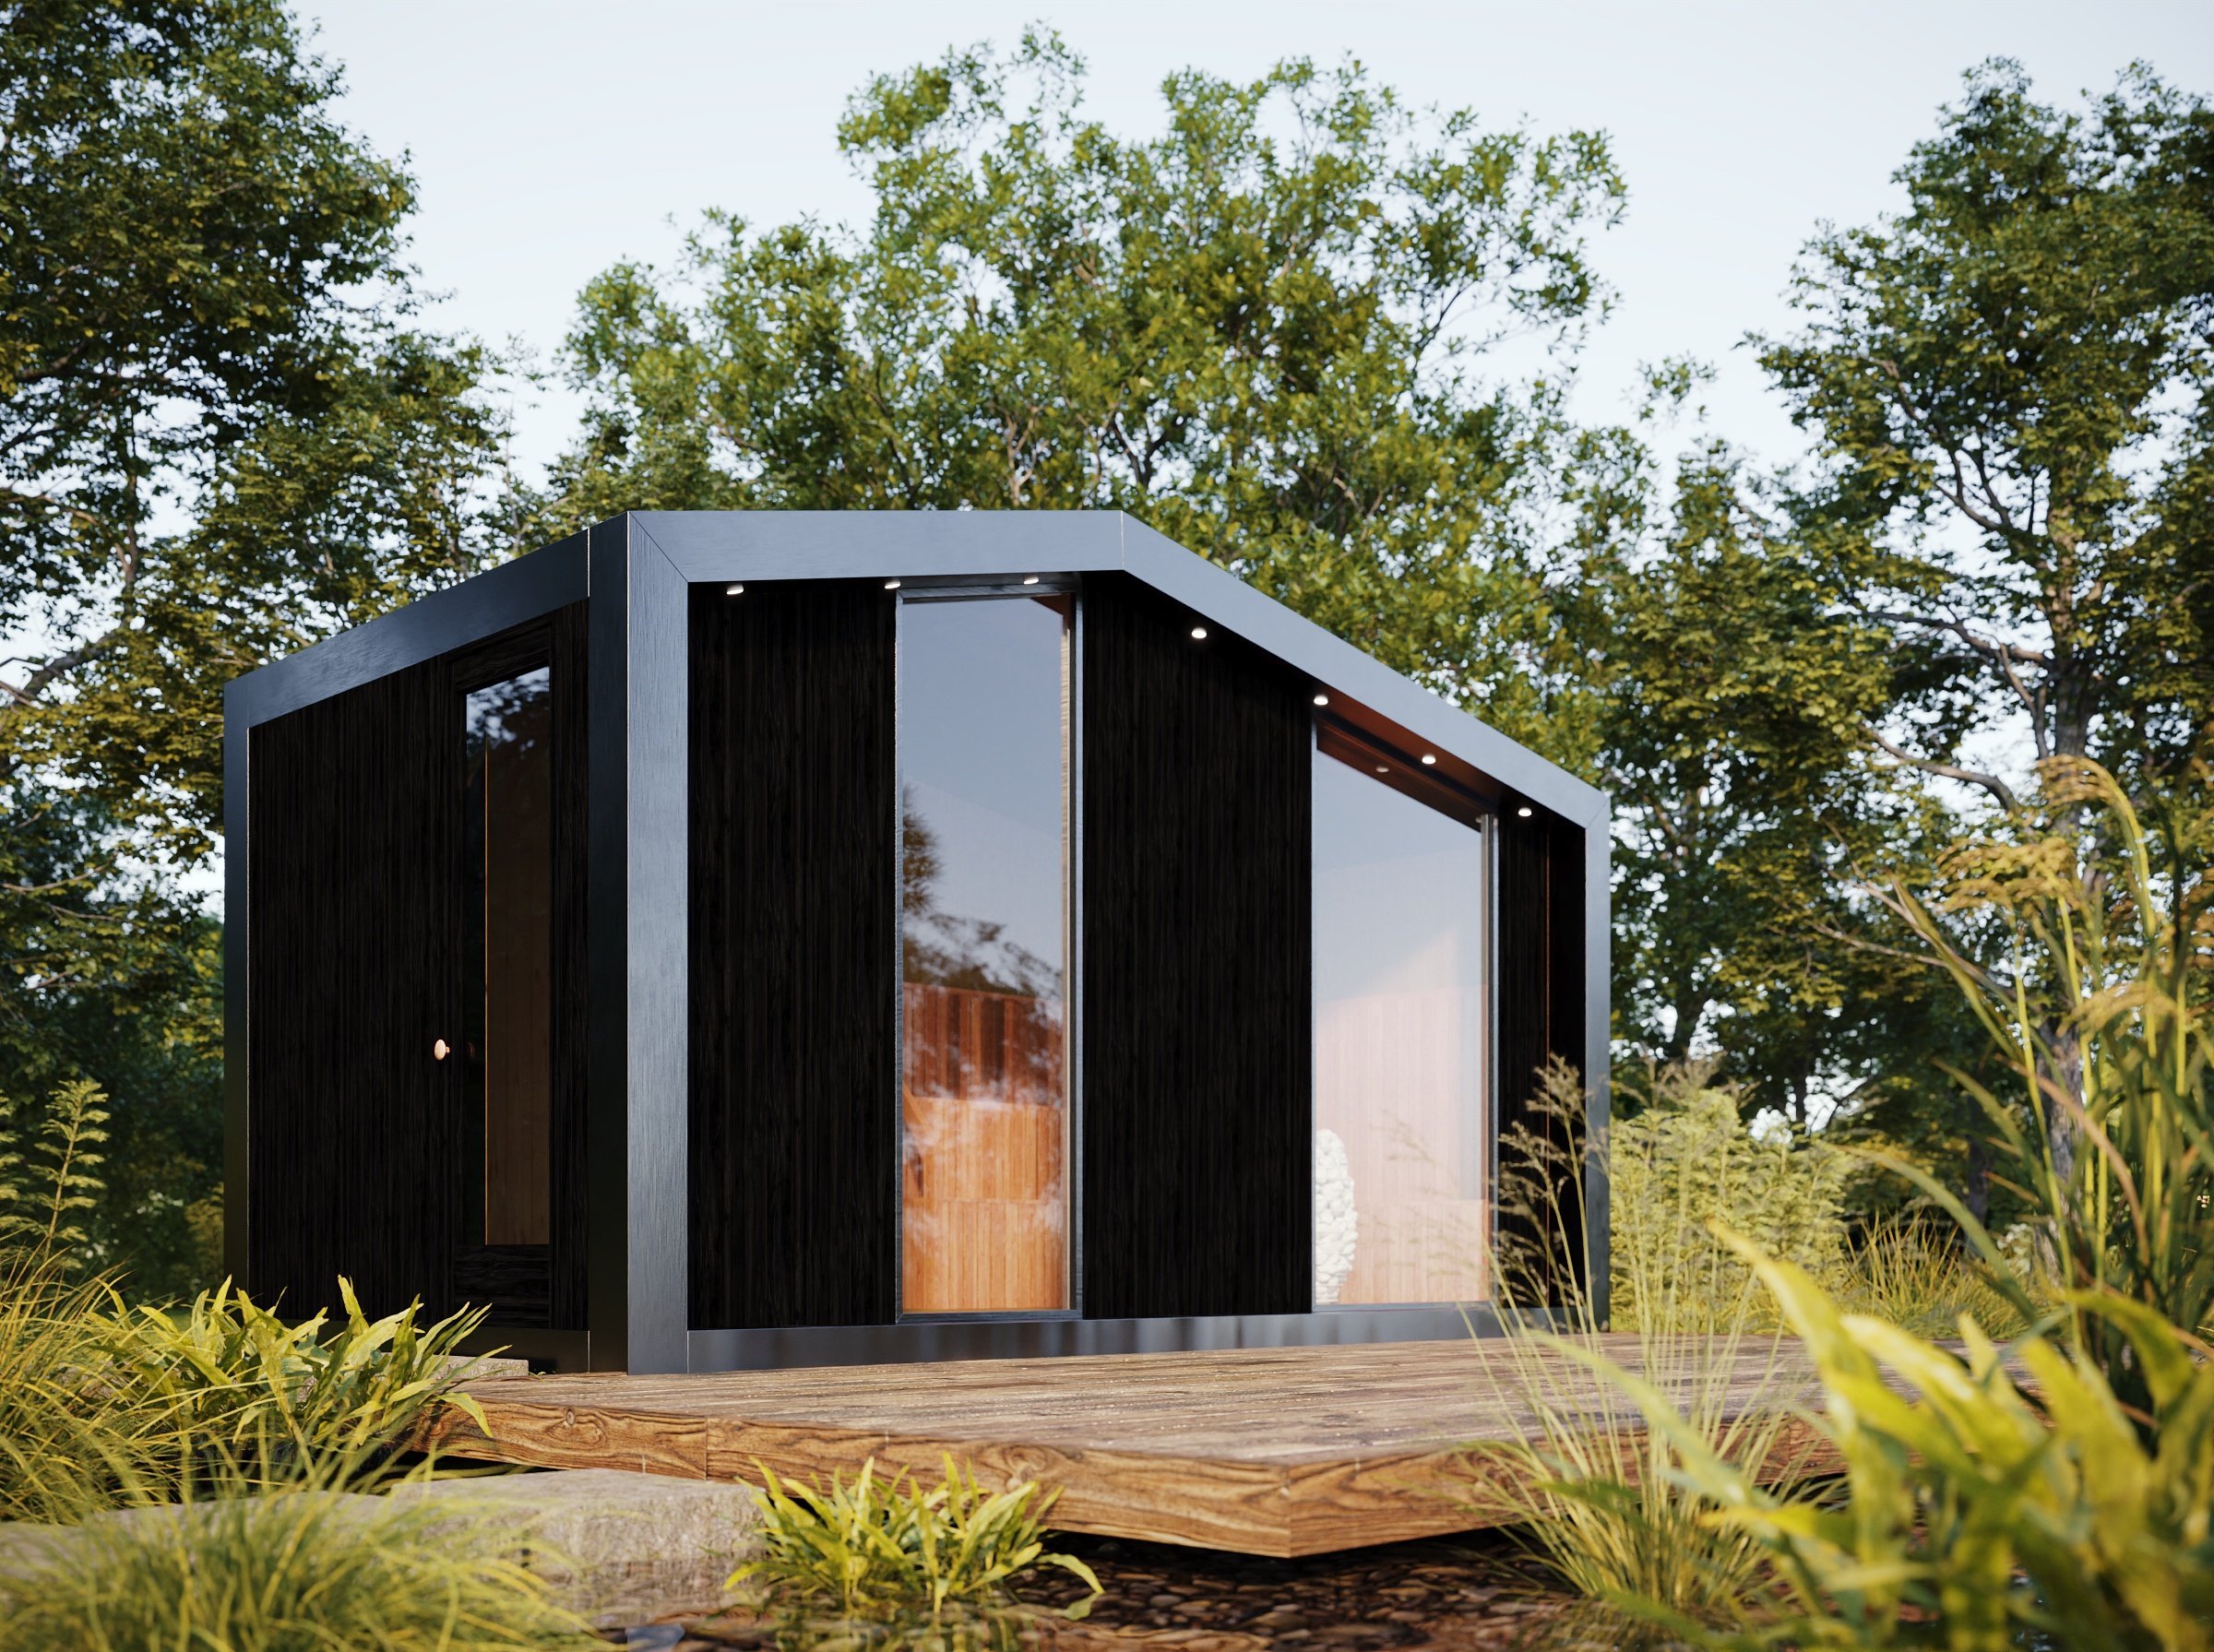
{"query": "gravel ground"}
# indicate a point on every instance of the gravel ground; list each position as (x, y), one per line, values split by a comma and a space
(1476, 1594)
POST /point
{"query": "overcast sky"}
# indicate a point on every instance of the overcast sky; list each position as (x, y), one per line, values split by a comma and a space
(550, 139)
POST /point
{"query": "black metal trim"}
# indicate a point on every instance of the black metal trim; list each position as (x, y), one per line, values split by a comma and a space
(637, 1125)
(1038, 1338)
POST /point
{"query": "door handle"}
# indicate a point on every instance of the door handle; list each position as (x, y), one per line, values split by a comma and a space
(440, 1049)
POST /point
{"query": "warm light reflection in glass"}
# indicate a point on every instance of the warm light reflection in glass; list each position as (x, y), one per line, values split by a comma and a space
(1401, 1209)
(983, 746)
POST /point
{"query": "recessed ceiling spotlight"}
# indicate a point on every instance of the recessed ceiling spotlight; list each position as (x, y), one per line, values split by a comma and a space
(1322, 699)
(1198, 633)
(1429, 761)
(891, 585)
(1524, 811)
(734, 590)
(1032, 580)
(1383, 768)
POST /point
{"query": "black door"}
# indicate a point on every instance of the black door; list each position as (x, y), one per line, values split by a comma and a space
(350, 830)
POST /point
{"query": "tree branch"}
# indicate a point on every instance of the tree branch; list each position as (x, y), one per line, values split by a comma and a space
(1970, 777)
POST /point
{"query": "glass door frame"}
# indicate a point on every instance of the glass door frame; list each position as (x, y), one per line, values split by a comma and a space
(1357, 748)
(905, 592)
(482, 1271)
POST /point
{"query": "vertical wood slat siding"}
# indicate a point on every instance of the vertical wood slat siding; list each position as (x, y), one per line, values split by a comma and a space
(354, 822)
(1541, 907)
(1197, 1045)
(351, 821)
(794, 1219)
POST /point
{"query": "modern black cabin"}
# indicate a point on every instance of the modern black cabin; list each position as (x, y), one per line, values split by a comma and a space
(745, 939)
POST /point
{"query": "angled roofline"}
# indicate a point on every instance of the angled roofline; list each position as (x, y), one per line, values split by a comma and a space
(708, 546)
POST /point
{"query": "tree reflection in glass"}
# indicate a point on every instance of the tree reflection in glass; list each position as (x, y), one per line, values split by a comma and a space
(508, 893)
(984, 743)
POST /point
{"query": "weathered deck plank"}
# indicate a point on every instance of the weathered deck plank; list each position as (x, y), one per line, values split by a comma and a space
(1266, 1451)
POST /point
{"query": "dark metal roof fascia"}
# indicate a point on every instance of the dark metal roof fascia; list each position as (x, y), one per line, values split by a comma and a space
(481, 606)
(1340, 666)
(704, 546)
(905, 544)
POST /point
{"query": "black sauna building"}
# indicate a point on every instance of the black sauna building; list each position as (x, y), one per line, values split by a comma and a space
(742, 939)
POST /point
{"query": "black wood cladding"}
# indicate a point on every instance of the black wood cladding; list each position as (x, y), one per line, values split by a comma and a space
(355, 971)
(1197, 1047)
(1540, 915)
(793, 955)
(351, 825)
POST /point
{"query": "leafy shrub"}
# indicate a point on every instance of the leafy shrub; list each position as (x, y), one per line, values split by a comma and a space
(1686, 1161)
(299, 1568)
(886, 1545)
(233, 1376)
(1969, 1501)
(103, 1404)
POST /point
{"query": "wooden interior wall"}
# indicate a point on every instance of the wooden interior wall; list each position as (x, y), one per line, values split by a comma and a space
(1541, 1003)
(1197, 1041)
(793, 950)
(351, 818)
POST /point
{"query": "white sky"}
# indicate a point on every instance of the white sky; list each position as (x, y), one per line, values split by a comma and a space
(551, 138)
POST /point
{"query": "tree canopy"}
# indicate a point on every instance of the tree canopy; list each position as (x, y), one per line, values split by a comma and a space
(1264, 329)
(221, 437)
(2007, 386)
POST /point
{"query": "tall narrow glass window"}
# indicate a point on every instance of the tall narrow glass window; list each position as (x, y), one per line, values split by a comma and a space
(1402, 1211)
(509, 731)
(983, 756)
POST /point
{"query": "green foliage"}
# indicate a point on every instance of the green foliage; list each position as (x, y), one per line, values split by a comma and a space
(1262, 330)
(302, 1567)
(50, 1176)
(2007, 382)
(69, 1442)
(1581, 1482)
(1903, 1270)
(231, 1376)
(1968, 1499)
(882, 1545)
(1686, 1159)
(2103, 1021)
(222, 435)
(105, 973)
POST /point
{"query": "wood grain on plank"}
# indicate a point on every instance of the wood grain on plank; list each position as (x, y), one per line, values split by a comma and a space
(1267, 1451)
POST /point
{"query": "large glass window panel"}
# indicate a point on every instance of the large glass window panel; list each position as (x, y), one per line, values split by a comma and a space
(508, 730)
(1401, 1206)
(983, 755)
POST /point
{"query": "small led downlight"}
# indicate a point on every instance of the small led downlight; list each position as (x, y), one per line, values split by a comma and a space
(1322, 699)
(1198, 633)
(1523, 811)
(734, 590)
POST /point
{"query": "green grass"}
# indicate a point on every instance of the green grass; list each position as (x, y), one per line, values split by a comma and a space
(301, 1569)
(882, 1545)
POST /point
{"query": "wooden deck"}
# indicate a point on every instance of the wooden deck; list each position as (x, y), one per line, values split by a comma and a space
(1265, 1451)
